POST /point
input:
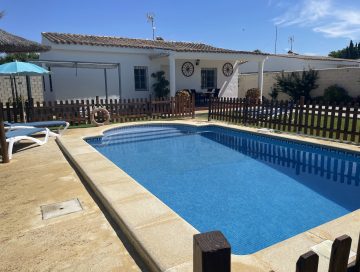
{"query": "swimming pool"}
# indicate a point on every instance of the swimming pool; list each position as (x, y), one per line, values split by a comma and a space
(256, 189)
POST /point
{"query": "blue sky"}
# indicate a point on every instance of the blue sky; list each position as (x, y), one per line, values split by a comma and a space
(319, 26)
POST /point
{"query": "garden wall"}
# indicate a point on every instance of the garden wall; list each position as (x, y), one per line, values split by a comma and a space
(348, 78)
(6, 94)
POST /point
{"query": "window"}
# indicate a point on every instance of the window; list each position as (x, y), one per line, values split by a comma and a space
(141, 79)
(208, 78)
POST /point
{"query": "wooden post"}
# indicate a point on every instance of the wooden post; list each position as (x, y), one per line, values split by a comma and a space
(193, 106)
(340, 254)
(150, 107)
(355, 266)
(300, 116)
(209, 109)
(212, 252)
(4, 147)
(308, 262)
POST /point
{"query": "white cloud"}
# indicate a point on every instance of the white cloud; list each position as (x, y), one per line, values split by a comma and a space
(323, 16)
(305, 13)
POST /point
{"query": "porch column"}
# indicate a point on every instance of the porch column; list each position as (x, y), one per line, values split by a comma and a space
(261, 77)
(172, 75)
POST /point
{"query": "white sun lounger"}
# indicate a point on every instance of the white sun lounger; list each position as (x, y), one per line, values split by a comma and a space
(41, 124)
(17, 135)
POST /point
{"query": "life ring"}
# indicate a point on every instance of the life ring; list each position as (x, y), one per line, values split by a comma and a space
(105, 113)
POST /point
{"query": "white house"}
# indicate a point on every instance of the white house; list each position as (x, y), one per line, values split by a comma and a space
(294, 62)
(84, 66)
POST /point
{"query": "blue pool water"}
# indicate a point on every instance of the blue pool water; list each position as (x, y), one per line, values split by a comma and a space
(255, 189)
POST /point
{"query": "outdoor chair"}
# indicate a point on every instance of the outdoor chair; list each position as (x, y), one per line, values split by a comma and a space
(216, 92)
(17, 135)
(41, 124)
(199, 97)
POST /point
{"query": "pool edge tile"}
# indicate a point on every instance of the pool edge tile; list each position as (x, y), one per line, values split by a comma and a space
(257, 261)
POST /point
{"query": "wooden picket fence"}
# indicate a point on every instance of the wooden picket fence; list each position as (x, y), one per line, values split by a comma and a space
(78, 112)
(212, 253)
(326, 120)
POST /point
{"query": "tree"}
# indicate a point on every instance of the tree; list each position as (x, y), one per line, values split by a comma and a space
(335, 93)
(352, 51)
(297, 84)
(161, 86)
(19, 57)
(257, 51)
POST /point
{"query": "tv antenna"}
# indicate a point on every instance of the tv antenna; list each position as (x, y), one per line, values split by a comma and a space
(151, 19)
(291, 41)
(276, 37)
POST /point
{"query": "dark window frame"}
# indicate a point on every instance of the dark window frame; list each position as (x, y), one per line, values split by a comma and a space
(141, 78)
(206, 82)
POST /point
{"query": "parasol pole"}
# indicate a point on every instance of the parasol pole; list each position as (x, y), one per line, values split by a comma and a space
(3, 143)
(21, 99)
(23, 108)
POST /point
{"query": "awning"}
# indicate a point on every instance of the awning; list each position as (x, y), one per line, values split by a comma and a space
(76, 64)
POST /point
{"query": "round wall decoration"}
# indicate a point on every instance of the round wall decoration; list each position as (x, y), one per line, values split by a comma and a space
(187, 69)
(228, 69)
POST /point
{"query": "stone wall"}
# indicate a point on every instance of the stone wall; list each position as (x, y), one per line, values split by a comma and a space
(348, 78)
(36, 82)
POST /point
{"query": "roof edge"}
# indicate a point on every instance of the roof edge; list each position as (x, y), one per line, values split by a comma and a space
(151, 44)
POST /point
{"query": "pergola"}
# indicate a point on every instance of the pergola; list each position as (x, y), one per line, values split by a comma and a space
(10, 43)
(88, 64)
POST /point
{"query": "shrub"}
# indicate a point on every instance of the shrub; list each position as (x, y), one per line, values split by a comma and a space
(317, 99)
(161, 86)
(183, 93)
(297, 84)
(356, 99)
(253, 94)
(274, 93)
(335, 93)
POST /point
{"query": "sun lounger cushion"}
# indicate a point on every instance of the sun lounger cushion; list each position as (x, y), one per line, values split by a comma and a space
(54, 123)
(23, 132)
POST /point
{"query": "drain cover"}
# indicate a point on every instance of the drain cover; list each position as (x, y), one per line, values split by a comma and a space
(62, 208)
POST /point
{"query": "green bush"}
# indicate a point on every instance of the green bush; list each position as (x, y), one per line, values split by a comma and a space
(297, 84)
(274, 93)
(161, 85)
(335, 93)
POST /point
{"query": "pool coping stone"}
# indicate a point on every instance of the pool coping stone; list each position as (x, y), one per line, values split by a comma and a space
(163, 238)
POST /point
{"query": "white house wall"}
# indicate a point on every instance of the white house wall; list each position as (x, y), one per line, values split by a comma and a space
(90, 82)
(87, 83)
(228, 85)
(347, 78)
(277, 63)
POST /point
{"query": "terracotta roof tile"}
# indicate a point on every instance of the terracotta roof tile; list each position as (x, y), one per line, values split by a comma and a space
(78, 39)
